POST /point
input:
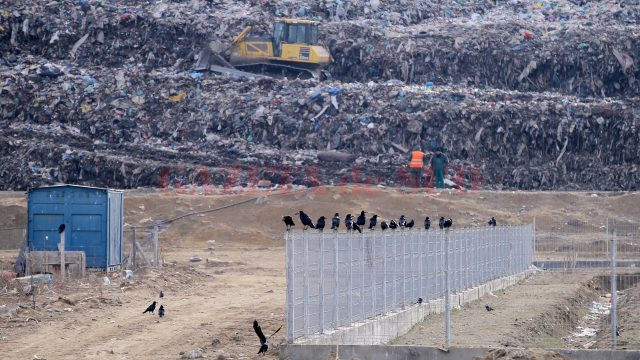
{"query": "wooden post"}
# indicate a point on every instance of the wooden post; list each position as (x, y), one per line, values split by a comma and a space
(62, 262)
(133, 250)
(155, 245)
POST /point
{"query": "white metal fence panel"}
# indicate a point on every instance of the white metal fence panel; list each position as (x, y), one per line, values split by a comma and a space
(336, 279)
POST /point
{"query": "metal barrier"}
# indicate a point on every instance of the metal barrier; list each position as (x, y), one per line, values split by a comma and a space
(336, 279)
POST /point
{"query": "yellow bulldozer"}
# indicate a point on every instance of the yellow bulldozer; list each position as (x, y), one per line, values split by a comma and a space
(293, 46)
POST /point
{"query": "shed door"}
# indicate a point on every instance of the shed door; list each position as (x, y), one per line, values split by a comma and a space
(115, 228)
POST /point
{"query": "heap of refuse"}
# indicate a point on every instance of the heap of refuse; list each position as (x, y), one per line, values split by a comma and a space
(534, 95)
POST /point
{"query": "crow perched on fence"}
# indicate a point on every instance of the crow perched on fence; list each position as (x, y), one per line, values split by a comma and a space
(348, 222)
(151, 308)
(362, 220)
(356, 227)
(402, 222)
(263, 339)
(320, 223)
(373, 221)
(335, 222)
(305, 220)
(161, 311)
(383, 225)
(427, 223)
(448, 223)
(288, 221)
(492, 222)
(441, 222)
(410, 224)
(393, 225)
(61, 228)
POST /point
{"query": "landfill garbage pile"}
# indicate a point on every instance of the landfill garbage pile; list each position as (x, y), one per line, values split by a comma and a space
(122, 130)
(102, 93)
(559, 46)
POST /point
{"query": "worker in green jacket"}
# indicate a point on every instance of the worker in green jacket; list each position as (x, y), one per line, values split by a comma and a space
(438, 162)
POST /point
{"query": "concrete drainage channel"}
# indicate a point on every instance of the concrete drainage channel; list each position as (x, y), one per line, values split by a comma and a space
(386, 352)
(384, 328)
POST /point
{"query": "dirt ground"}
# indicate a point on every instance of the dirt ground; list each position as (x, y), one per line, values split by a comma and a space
(211, 304)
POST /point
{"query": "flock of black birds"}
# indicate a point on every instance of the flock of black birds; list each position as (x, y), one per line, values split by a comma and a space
(359, 223)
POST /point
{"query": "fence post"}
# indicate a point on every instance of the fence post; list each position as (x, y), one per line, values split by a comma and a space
(305, 285)
(349, 294)
(384, 273)
(403, 239)
(447, 299)
(422, 252)
(614, 295)
(155, 245)
(395, 267)
(363, 310)
(336, 293)
(133, 249)
(374, 290)
(321, 287)
(290, 286)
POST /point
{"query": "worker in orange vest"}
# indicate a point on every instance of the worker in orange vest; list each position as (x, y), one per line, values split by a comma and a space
(416, 166)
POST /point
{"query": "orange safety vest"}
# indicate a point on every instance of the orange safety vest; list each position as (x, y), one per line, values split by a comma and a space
(416, 159)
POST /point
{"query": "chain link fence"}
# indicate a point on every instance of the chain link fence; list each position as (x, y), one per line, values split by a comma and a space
(336, 279)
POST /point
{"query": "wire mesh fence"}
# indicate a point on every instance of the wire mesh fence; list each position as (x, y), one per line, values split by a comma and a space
(337, 279)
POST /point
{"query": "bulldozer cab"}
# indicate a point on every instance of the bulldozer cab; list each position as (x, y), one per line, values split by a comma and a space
(293, 32)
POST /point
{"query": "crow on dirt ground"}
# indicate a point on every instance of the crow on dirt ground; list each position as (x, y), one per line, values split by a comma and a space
(488, 308)
(161, 311)
(263, 339)
(161, 294)
(151, 308)
(288, 221)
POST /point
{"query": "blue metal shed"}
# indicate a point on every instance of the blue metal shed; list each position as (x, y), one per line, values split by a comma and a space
(93, 218)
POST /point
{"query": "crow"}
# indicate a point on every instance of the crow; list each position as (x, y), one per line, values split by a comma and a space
(410, 224)
(288, 221)
(383, 225)
(335, 222)
(361, 219)
(373, 221)
(492, 222)
(402, 222)
(161, 311)
(61, 228)
(348, 222)
(263, 340)
(356, 227)
(419, 301)
(151, 308)
(305, 220)
(447, 223)
(488, 308)
(617, 331)
(427, 223)
(320, 223)
(161, 294)
(441, 222)
(393, 225)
